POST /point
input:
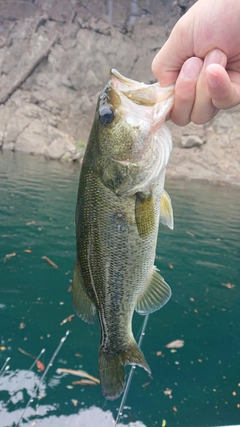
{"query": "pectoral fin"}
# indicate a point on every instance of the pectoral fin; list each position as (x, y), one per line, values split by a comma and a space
(156, 294)
(82, 303)
(144, 214)
(166, 210)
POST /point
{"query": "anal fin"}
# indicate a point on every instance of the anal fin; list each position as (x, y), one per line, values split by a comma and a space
(82, 303)
(155, 296)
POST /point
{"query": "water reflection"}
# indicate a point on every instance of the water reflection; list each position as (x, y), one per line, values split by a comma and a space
(14, 382)
(20, 386)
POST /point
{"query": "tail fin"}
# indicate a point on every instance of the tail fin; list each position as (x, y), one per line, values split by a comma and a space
(112, 372)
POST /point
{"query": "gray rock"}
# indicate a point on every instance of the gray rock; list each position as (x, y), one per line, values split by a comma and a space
(189, 141)
(60, 148)
(33, 138)
(8, 146)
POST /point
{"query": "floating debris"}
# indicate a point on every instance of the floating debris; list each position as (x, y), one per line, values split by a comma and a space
(49, 261)
(22, 325)
(175, 344)
(146, 384)
(40, 365)
(9, 256)
(228, 285)
(26, 353)
(68, 319)
(41, 396)
(84, 382)
(78, 373)
(168, 392)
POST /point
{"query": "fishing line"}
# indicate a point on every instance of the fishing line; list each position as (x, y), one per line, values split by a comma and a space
(29, 370)
(4, 366)
(43, 376)
(129, 380)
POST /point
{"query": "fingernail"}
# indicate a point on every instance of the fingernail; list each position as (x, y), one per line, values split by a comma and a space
(192, 68)
(215, 56)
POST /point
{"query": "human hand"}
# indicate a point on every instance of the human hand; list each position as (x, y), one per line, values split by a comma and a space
(202, 56)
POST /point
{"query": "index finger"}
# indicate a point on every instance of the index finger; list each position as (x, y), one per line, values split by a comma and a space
(165, 68)
(169, 60)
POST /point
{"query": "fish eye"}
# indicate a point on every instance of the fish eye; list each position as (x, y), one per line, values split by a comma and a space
(106, 115)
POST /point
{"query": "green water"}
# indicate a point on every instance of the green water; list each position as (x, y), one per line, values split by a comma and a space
(201, 254)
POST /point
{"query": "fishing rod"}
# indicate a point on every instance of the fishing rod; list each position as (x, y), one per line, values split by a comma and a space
(5, 367)
(43, 376)
(129, 380)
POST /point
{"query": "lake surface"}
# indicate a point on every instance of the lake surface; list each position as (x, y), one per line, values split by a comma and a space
(197, 385)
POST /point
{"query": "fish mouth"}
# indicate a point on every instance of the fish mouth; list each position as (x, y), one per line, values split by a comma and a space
(140, 93)
(114, 74)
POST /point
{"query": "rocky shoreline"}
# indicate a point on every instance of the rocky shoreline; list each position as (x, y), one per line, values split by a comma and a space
(55, 58)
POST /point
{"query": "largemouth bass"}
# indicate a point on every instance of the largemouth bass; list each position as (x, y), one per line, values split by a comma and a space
(121, 200)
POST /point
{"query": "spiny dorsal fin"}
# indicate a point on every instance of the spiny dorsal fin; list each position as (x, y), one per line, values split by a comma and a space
(144, 214)
(156, 294)
(166, 210)
(82, 303)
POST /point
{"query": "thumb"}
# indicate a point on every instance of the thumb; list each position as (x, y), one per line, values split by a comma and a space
(223, 86)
